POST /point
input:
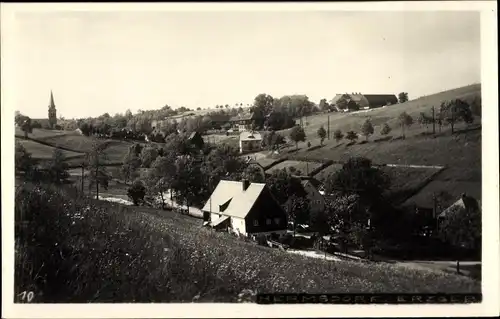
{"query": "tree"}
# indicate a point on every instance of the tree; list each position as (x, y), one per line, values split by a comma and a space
(405, 120)
(148, 156)
(263, 104)
(26, 127)
(283, 184)
(351, 136)
(24, 163)
(58, 167)
(161, 176)
(323, 105)
(297, 135)
(254, 173)
(198, 109)
(136, 192)
(367, 129)
(461, 227)
(96, 159)
(131, 162)
(403, 97)
(297, 209)
(337, 135)
(386, 129)
(360, 177)
(455, 111)
(423, 119)
(322, 134)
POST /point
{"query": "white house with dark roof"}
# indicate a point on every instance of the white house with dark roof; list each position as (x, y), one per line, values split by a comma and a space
(244, 208)
(250, 141)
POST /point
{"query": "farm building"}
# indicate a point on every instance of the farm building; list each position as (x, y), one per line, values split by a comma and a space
(250, 141)
(243, 122)
(366, 101)
(244, 208)
(196, 139)
(465, 202)
(316, 200)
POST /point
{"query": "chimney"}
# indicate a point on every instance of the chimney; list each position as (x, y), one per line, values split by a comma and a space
(464, 195)
(245, 183)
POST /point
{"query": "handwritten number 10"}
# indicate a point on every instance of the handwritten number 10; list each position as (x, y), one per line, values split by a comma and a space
(27, 296)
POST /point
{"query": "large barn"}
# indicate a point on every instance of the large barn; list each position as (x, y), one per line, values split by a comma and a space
(366, 101)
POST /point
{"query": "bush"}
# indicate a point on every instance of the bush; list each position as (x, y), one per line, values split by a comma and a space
(136, 192)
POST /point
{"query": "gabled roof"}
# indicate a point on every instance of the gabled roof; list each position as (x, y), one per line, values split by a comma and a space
(314, 182)
(241, 201)
(465, 202)
(242, 117)
(381, 99)
(250, 136)
(336, 98)
(193, 134)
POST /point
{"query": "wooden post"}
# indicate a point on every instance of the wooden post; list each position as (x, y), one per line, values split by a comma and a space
(328, 127)
(82, 176)
(433, 121)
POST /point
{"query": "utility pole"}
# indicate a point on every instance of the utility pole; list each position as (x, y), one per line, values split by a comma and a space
(433, 121)
(83, 164)
(328, 127)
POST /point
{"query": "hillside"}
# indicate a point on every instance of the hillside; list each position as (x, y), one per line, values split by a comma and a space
(171, 258)
(458, 154)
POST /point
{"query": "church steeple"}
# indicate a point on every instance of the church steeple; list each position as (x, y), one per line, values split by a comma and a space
(52, 111)
(52, 105)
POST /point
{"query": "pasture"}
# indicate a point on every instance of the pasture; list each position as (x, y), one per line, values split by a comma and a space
(41, 151)
(304, 167)
(379, 116)
(40, 133)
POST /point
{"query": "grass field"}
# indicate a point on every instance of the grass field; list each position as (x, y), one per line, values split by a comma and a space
(388, 114)
(304, 167)
(424, 197)
(109, 252)
(40, 151)
(39, 133)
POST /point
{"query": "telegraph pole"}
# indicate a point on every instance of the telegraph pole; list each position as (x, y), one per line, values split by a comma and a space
(433, 121)
(83, 164)
(328, 127)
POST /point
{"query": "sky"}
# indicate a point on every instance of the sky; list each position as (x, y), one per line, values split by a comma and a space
(96, 62)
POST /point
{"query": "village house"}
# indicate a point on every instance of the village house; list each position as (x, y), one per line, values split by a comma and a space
(196, 139)
(244, 208)
(242, 122)
(465, 202)
(250, 141)
(316, 200)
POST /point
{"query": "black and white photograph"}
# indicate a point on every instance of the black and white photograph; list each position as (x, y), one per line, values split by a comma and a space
(249, 154)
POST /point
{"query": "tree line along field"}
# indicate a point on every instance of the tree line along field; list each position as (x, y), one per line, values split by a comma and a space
(142, 254)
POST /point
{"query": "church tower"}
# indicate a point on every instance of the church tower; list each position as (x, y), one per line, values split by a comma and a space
(52, 112)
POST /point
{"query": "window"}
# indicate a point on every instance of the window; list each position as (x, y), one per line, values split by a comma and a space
(277, 221)
(268, 221)
(256, 222)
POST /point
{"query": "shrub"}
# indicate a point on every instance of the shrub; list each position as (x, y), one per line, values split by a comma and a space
(136, 192)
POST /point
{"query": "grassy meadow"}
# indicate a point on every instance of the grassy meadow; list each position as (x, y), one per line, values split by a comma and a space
(44, 152)
(302, 166)
(72, 249)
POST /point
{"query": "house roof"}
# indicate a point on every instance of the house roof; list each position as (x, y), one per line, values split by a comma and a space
(314, 182)
(193, 134)
(250, 136)
(336, 98)
(465, 202)
(242, 117)
(381, 99)
(238, 202)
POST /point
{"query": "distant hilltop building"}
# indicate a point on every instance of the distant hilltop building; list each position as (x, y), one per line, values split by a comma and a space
(51, 121)
(364, 101)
